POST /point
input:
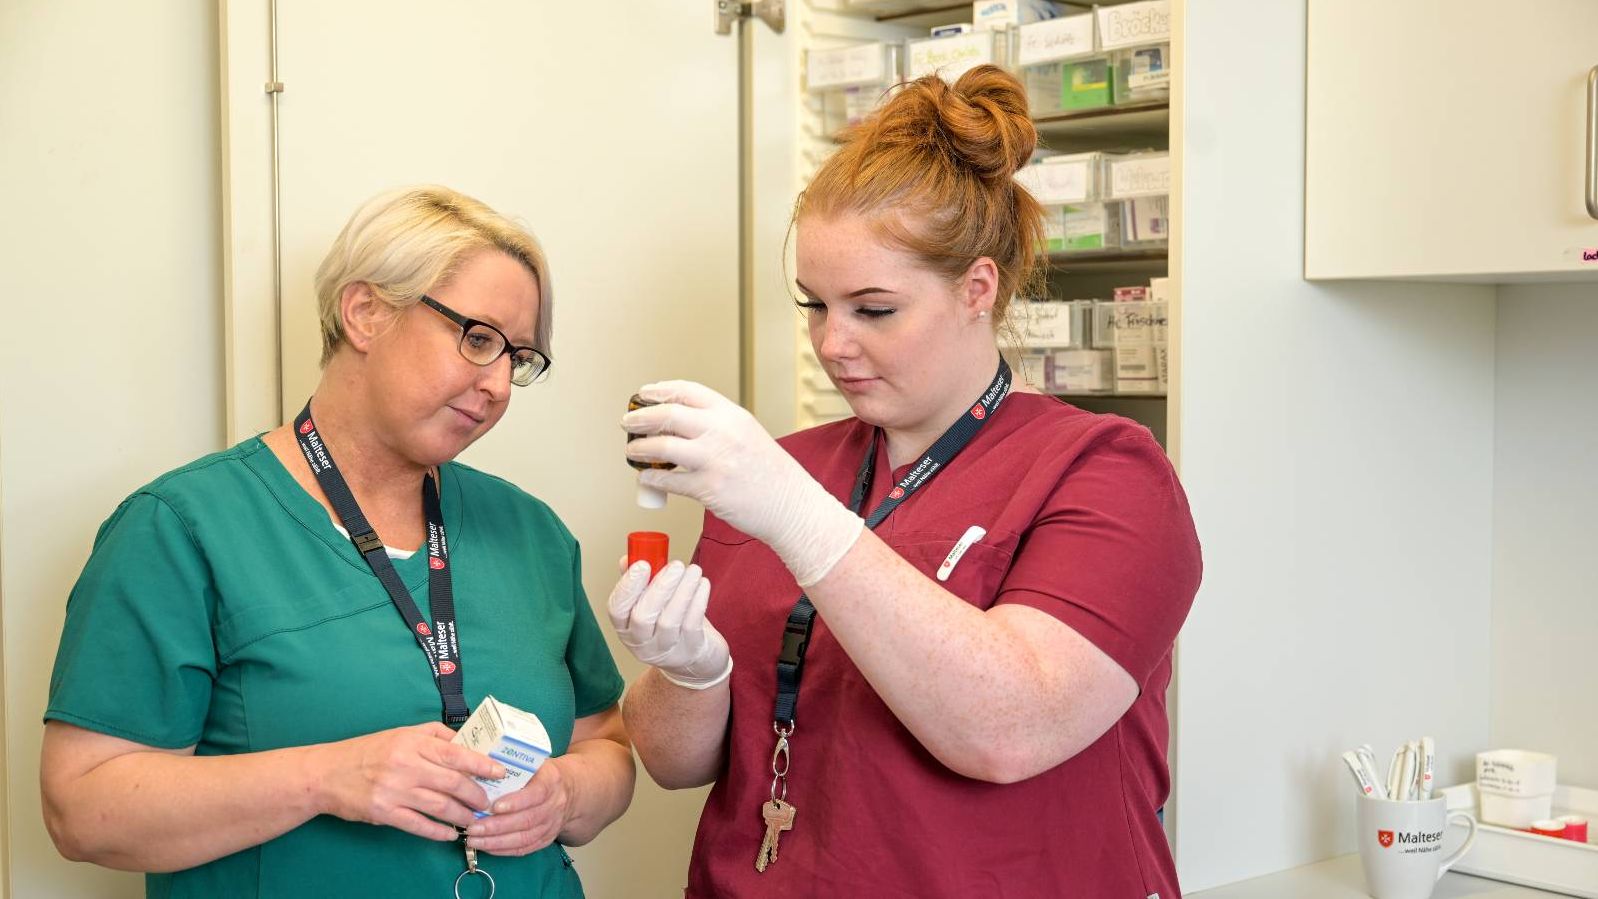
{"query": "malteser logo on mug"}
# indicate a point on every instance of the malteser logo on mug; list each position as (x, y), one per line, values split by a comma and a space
(1385, 837)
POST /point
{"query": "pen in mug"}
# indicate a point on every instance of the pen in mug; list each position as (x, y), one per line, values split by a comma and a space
(1366, 786)
(1406, 771)
(1393, 769)
(1367, 758)
(1428, 761)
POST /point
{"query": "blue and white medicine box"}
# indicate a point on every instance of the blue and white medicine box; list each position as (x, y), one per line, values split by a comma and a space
(510, 736)
(995, 15)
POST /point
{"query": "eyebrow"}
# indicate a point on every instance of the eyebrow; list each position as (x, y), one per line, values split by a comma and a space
(864, 291)
(501, 328)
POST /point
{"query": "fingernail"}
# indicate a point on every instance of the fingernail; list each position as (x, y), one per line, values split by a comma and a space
(501, 773)
(501, 807)
(475, 830)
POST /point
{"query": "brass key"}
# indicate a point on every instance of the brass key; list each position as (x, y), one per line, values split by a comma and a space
(779, 817)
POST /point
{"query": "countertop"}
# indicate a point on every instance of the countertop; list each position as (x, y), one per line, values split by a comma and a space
(1341, 878)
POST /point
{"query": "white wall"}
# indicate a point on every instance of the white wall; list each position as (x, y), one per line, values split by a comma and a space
(1545, 600)
(776, 104)
(110, 370)
(1337, 449)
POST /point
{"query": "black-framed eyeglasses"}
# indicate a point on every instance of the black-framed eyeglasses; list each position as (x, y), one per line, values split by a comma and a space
(483, 344)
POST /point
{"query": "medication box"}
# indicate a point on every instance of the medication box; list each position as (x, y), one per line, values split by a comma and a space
(510, 736)
(1081, 227)
(1081, 371)
(1084, 83)
(992, 15)
(1142, 74)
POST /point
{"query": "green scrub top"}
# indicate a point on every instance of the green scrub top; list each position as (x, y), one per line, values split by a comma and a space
(221, 609)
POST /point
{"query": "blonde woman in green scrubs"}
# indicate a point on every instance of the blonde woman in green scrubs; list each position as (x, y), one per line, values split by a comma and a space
(242, 690)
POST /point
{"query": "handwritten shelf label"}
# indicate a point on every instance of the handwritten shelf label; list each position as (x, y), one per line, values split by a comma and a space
(1055, 39)
(1057, 183)
(1140, 176)
(1130, 24)
(846, 67)
(951, 57)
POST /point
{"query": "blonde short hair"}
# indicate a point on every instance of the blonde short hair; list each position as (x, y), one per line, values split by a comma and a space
(406, 242)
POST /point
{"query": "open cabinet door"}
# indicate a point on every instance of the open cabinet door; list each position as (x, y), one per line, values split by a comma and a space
(613, 133)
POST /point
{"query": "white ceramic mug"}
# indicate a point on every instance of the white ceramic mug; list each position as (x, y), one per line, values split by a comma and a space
(1401, 845)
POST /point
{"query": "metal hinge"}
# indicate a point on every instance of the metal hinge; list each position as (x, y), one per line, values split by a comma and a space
(772, 12)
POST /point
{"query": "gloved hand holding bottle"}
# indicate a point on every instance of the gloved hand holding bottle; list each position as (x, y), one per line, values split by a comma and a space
(662, 623)
(727, 461)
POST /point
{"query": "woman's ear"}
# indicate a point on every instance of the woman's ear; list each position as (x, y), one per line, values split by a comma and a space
(980, 289)
(365, 316)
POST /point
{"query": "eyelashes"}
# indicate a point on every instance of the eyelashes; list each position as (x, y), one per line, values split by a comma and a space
(863, 311)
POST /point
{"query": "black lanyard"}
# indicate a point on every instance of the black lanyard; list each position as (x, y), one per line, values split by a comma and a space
(438, 640)
(796, 633)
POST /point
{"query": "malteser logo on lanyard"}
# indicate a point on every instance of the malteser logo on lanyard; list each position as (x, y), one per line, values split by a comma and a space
(446, 667)
(978, 413)
(896, 493)
(307, 427)
(423, 629)
(435, 563)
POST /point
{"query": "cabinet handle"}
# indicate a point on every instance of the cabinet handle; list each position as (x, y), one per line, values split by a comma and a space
(1592, 142)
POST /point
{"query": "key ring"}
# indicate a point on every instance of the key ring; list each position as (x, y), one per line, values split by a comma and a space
(471, 868)
(467, 873)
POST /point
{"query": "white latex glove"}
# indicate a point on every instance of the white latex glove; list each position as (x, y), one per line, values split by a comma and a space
(662, 622)
(728, 462)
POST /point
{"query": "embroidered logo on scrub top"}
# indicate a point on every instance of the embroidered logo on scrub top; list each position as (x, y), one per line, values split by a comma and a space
(978, 413)
(306, 428)
(423, 629)
(435, 563)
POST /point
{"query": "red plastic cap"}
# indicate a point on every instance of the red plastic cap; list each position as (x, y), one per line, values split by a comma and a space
(648, 546)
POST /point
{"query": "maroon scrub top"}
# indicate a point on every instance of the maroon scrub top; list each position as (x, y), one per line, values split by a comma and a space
(1085, 521)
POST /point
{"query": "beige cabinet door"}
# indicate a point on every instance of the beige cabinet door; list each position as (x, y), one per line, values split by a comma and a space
(1448, 139)
(611, 130)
